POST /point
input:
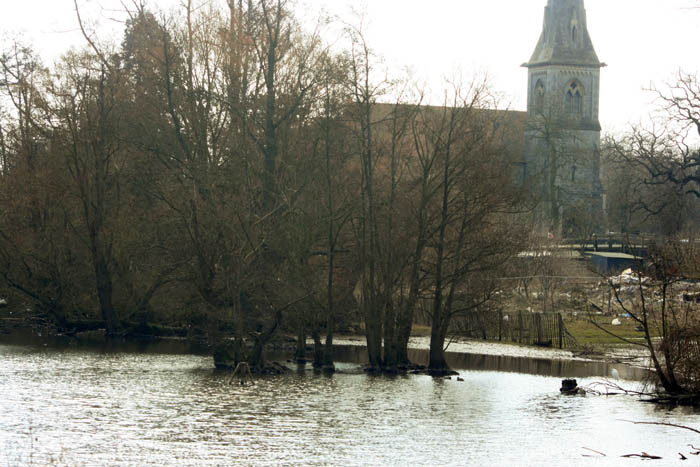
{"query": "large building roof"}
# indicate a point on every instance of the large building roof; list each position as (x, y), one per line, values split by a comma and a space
(509, 125)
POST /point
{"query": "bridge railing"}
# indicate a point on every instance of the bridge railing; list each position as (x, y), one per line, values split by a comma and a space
(635, 244)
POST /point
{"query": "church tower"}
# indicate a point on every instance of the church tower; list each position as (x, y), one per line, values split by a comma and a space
(562, 157)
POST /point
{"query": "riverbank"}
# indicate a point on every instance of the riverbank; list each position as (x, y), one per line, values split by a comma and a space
(594, 360)
(621, 354)
(608, 354)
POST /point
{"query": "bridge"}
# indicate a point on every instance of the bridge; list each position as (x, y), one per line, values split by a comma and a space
(630, 244)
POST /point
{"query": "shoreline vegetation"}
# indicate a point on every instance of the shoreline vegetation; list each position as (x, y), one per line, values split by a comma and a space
(596, 338)
(226, 174)
(593, 343)
(420, 340)
(593, 351)
(282, 350)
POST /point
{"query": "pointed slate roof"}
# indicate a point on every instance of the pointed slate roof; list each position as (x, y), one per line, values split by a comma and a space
(564, 39)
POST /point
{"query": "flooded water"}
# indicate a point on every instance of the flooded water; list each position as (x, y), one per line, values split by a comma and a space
(510, 364)
(69, 405)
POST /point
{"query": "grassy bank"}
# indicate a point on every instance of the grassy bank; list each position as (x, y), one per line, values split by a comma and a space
(586, 333)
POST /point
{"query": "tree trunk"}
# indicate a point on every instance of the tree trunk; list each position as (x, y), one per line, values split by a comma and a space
(406, 314)
(103, 280)
(438, 330)
(257, 359)
(300, 354)
(328, 365)
(390, 360)
(270, 152)
(403, 334)
(373, 333)
(438, 335)
(318, 349)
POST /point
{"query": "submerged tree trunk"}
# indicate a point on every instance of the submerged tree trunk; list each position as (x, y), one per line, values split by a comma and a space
(373, 333)
(318, 349)
(260, 339)
(403, 334)
(438, 335)
(439, 329)
(256, 359)
(404, 324)
(103, 280)
(300, 353)
(328, 364)
(390, 360)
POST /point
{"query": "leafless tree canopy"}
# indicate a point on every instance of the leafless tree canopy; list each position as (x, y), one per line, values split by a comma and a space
(222, 173)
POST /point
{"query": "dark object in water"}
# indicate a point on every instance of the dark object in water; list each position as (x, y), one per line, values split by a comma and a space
(643, 455)
(244, 374)
(569, 386)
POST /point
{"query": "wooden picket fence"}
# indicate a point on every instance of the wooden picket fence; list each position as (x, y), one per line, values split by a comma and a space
(541, 329)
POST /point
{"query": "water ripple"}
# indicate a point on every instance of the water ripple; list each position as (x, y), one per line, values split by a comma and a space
(73, 407)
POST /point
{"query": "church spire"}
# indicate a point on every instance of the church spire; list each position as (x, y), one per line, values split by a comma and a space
(565, 39)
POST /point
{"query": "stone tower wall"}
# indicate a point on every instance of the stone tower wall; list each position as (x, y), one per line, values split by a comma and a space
(562, 137)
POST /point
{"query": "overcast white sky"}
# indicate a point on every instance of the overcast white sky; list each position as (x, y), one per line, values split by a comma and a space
(642, 41)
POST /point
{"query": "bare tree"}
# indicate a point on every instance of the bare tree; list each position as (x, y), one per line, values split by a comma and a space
(87, 107)
(473, 227)
(664, 153)
(668, 322)
(31, 253)
(364, 91)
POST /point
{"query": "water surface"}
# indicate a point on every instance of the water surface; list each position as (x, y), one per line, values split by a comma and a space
(106, 406)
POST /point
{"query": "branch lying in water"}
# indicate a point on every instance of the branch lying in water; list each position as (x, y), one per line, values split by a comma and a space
(664, 424)
(612, 389)
(643, 455)
(593, 450)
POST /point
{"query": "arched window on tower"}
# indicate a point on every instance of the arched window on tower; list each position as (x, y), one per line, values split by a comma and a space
(574, 30)
(574, 98)
(539, 97)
